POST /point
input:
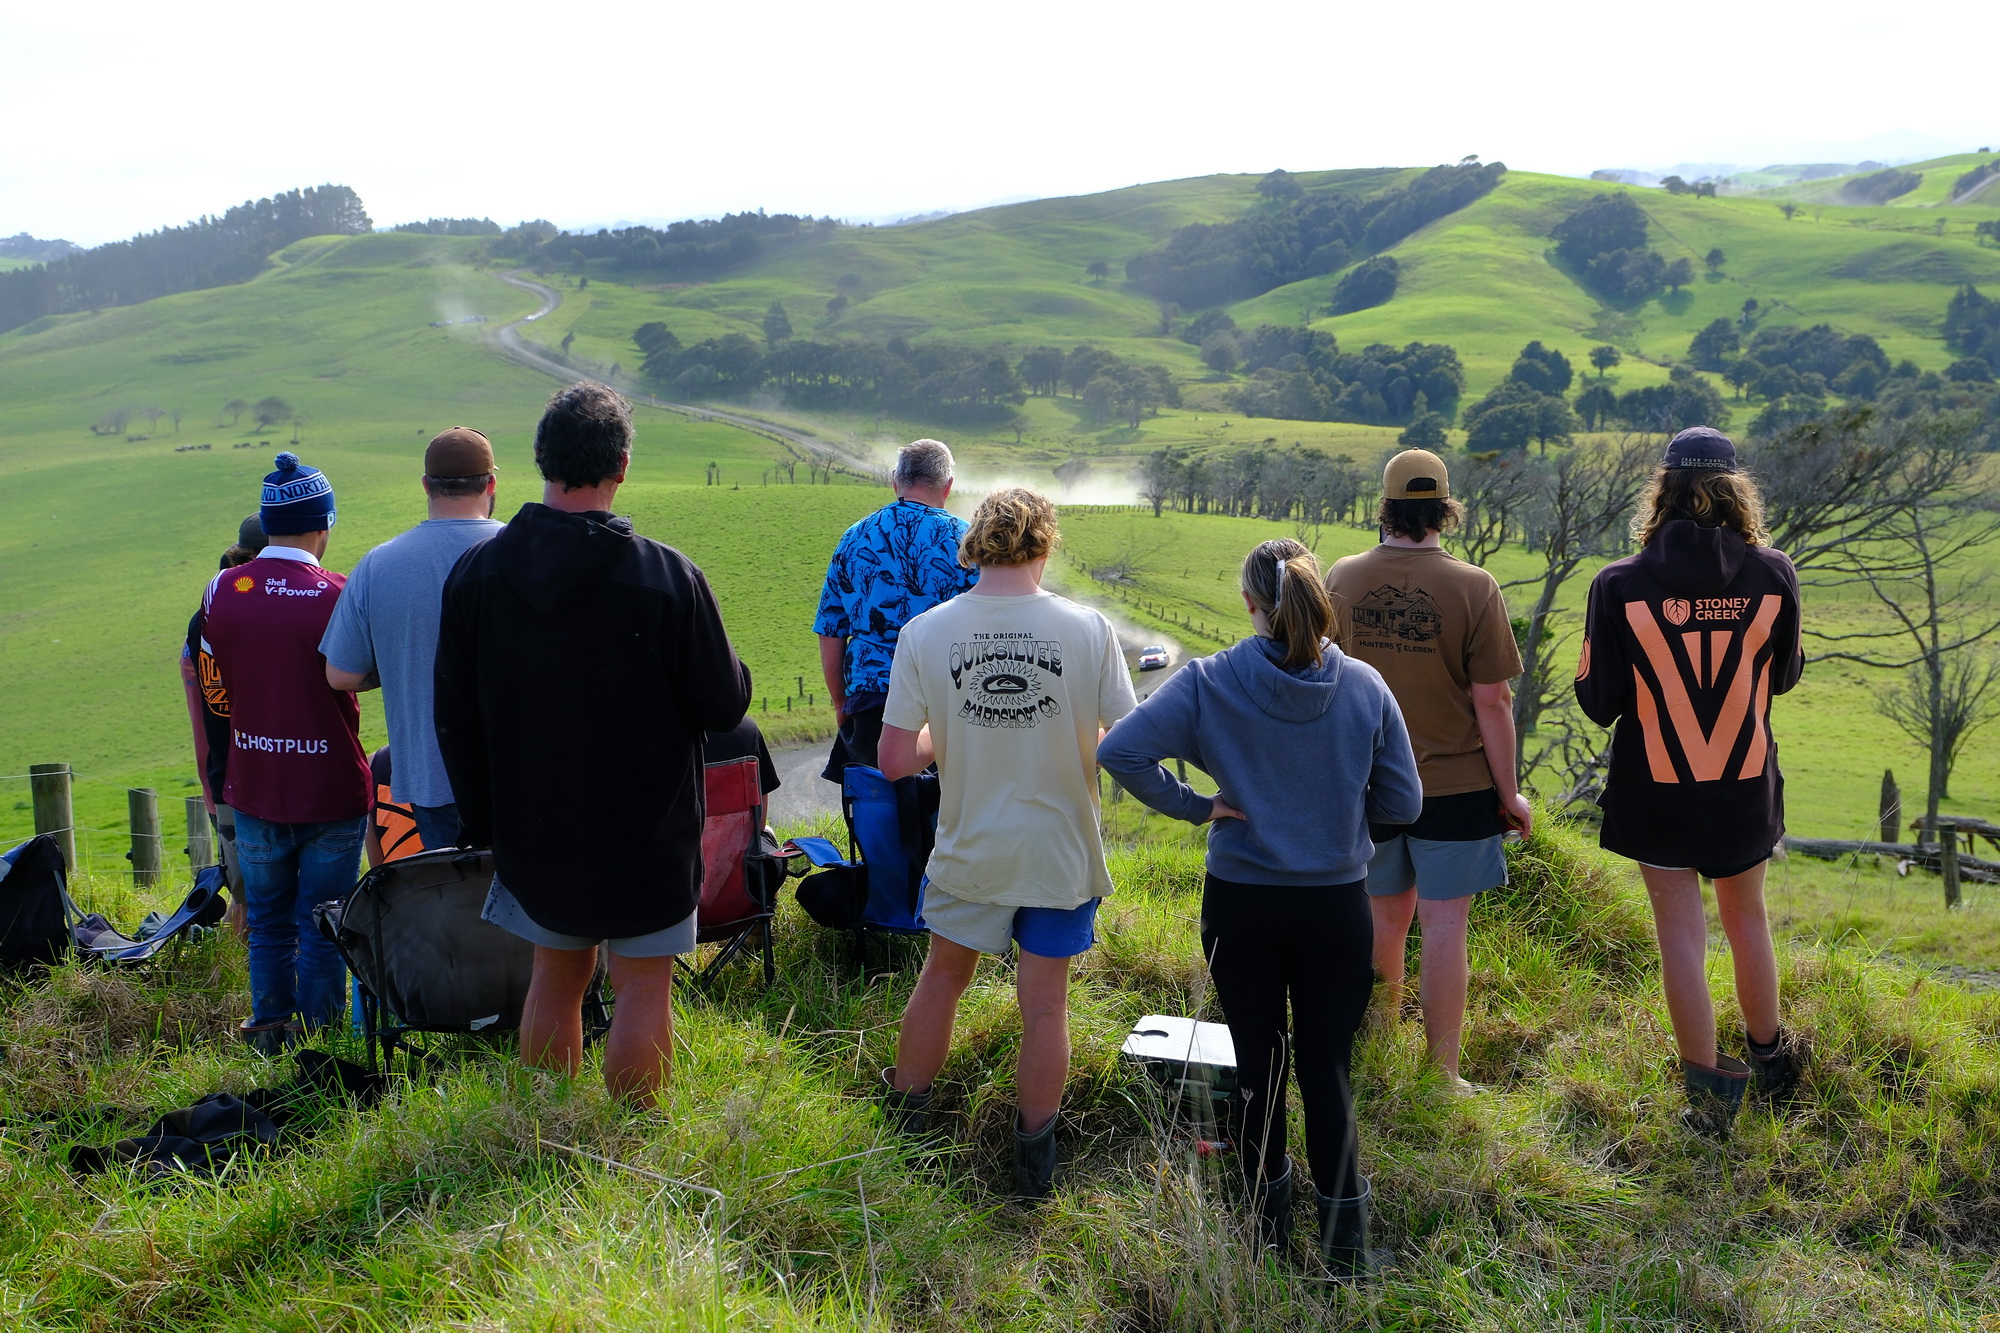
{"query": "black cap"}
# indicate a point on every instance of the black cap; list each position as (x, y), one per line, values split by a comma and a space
(250, 533)
(1701, 447)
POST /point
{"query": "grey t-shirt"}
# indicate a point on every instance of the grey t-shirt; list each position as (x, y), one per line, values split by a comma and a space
(386, 621)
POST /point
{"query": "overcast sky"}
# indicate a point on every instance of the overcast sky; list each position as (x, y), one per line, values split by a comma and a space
(118, 117)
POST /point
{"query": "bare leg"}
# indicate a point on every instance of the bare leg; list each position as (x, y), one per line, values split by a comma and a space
(639, 1049)
(1682, 931)
(1392, 916)
(552, 1016)
(1442, 983)
(925, 1037)
(1739, 900)
(1042, 987)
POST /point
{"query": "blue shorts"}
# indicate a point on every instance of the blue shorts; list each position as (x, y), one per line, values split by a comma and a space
(1047, 932)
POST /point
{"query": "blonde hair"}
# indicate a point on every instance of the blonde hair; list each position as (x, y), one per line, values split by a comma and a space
(1012, 526)
(1282, 579)
(1713, 499)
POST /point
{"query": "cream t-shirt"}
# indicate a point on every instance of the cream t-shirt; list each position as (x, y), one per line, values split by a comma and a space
(1014, 690)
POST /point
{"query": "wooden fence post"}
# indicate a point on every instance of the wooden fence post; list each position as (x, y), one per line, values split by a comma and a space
(200, 847)
(1891, 816)
(1948, 860)
(53, 813)
(144, 806)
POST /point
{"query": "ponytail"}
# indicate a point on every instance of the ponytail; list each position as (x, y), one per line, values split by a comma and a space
(1282, 579)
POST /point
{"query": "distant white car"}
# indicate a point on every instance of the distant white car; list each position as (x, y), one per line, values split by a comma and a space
(1153, 658)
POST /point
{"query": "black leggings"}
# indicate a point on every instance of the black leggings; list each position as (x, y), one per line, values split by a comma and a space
(1267, 942)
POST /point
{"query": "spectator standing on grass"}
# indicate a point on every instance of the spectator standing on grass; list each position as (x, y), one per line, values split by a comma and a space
(295, 771)
(1683, 646)
(578, 666)
(384, 631)
(1307, 747)
(888, 569)
(1438, 631)
(208, 710)
(1006, 688)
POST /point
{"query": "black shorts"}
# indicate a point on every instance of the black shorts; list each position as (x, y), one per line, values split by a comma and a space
(1467, 816)
(859, 741)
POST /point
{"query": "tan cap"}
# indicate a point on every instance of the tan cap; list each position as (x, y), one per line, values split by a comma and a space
(459, 452)
(1416, 474)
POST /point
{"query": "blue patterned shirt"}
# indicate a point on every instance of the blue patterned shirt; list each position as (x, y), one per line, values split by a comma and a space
(888, 569)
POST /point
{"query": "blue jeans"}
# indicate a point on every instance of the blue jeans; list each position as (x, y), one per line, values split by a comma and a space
(287, 869)
(437, 825)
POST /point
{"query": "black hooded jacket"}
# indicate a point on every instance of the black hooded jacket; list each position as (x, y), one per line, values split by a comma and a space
(1684, 645)
(578, 666)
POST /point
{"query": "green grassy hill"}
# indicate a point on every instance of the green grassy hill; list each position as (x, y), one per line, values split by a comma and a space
(767, 1193)
(1939, 175)
(1482, 279)
(106, 542)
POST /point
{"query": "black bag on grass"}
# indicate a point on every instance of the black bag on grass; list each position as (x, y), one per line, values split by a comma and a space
(34, 929)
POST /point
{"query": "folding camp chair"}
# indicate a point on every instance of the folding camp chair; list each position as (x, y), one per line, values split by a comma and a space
(878, 887)
(205, 905)
(742, 870)
(425, 961)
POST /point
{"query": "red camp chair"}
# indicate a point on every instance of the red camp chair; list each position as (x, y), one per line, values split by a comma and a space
(741, 870)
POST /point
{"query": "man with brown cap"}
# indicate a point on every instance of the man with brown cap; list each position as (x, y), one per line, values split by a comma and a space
(385, 627)
(1438, 631)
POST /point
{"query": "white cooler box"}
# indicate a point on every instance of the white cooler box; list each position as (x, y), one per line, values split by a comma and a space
(1192, 1060)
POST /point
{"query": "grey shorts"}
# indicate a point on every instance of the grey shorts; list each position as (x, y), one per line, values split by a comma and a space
(1437, 870)
(506, 912)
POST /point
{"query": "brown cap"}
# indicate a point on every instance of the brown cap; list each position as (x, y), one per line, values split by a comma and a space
(459, 452)
(1416, 474)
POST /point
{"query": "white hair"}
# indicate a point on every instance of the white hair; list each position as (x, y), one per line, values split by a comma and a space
(924, 463)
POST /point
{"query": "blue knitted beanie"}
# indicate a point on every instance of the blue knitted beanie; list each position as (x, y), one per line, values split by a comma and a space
(297, 498)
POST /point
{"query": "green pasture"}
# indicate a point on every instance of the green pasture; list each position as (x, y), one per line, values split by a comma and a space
(1939, 175)
(1483, 279)
(106, 543)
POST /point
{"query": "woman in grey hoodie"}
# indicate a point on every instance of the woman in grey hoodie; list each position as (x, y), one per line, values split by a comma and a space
(1306, 745)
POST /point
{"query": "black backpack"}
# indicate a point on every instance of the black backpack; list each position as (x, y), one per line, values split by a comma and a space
(34, 929)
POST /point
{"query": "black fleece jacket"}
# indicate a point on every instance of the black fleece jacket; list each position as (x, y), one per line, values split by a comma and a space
(578, 667)
(1684, 645)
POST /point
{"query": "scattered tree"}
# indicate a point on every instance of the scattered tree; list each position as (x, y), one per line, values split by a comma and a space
(836, 305)
(1169, 312)
(235, 407)
(777, 325)
(268, 412)
(1945, 708)
(1281, 187)
(1675, 185)
(1220, 353)
(175, 414)
(1679, 274)
(1711, 348)
(1370, 283)
(1790, 210)
(1098, 270)
(1157, 476)
(1605, 357)
(1715, 259)
(1041, 369)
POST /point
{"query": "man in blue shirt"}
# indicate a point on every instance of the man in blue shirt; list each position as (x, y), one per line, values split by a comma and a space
(888, 569)
(385, 626)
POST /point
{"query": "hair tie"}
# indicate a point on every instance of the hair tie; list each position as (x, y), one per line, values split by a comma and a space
(1279, 599)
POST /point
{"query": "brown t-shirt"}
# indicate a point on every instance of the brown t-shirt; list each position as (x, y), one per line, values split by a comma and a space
(1434, 626)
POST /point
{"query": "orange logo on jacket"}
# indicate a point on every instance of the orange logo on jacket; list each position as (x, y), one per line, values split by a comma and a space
(1676, 610)
(1745, 693)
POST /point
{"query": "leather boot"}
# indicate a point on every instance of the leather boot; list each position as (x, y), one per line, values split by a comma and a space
(1273, 1198)
(1714, 1095)
(1034, 1160)
(1774, 1069)
(1343, 1234)
(908, 1112)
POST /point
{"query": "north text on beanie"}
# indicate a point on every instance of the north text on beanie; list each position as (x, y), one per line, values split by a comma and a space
(297, 498)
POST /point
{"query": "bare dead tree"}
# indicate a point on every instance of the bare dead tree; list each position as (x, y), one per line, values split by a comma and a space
(1581, 514)
(1968, 700)
(1497, 491)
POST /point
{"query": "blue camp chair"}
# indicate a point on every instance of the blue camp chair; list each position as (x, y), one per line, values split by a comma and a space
(879, 884)
(205, 905)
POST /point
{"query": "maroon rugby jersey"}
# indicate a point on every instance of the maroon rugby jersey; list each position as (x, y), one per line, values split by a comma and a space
(295, 753)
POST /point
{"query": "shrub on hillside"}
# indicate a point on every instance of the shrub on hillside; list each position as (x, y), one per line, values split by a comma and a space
(1301, 374)
(1369, 283)
(1880, 187)
(1604, 241)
